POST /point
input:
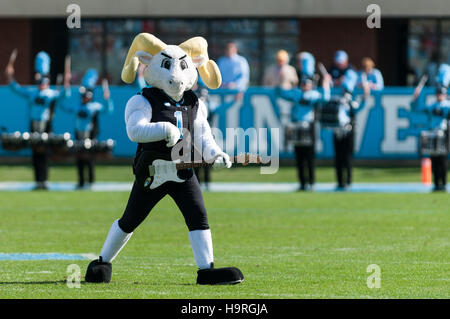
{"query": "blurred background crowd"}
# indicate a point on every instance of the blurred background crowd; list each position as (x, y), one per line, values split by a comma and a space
(403, 48)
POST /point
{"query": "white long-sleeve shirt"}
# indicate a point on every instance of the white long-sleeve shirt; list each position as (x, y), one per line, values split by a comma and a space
(140, 129)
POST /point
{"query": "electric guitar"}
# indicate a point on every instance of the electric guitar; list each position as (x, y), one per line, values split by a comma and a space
(152, 170)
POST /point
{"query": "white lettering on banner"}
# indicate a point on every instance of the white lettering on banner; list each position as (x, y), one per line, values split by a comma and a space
(233, 115)
(393, 123)
(264, 116)
(430, 99)
(361, 122)
(285, 118)
(214, 102)
(285, 110)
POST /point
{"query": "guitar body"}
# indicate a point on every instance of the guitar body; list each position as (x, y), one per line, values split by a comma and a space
(163, 171)
(152, 169)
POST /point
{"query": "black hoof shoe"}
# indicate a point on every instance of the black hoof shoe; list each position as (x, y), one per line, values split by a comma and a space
(219, 276)
(98, 271)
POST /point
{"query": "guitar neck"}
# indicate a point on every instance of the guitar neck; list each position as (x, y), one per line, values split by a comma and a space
(181, 166)
(243, 159)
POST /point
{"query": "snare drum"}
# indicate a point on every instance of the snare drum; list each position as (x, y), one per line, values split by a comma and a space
(37, 141)
(343, 131)
(58, 143)
(328, 114)
(433, 143)
(299, 134)
(13, 141)
(88, 146)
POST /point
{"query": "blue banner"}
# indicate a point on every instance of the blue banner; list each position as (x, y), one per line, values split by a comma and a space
(386, 128)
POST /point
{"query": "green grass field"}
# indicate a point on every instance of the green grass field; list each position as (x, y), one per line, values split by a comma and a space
(123, 173)
(292, 245)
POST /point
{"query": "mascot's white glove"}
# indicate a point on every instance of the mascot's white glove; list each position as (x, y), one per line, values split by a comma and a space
(172, 134)
(222, 160)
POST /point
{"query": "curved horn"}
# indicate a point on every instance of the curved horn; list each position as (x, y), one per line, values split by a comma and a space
(145, 42)
(209, 71)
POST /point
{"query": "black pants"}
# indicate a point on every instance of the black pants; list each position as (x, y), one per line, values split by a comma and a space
(82, 163)
(343, 156)
(187, 196)
(439, 166)
(40, 155)
(40, 160)
(304, 156)
(85, 160)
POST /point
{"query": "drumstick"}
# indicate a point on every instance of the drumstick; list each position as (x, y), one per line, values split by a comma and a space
(67, 64)
(365, 84)
(105, 85)
(420, 86)
(322, 69)
(325, 74)
(12, 57)
(422, 82)
(364, 78)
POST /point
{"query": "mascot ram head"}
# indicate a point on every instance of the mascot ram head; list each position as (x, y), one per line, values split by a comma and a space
(171, 68)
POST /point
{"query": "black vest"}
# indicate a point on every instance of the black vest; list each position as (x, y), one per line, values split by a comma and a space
(163, 110)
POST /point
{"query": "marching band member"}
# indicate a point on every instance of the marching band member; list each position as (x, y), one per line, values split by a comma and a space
(161, 119)
(42, 101)
(439, 116)
(303, 111)
(86, 125)
(340, 67)
(343, 136)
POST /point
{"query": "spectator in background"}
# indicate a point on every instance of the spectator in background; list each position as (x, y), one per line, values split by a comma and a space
(339, 67)
(370, 78)
(281, 74)
(234, 69)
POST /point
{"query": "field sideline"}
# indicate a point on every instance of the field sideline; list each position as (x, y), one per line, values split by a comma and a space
(290, 245)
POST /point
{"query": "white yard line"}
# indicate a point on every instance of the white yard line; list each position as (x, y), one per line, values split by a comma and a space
(236, 187)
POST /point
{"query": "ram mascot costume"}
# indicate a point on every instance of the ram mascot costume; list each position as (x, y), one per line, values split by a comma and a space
(160, 118)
